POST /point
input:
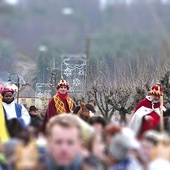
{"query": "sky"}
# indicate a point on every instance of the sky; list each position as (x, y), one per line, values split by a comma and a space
(104, 2)
(12, 2)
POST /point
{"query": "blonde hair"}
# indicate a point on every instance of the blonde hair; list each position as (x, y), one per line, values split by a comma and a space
(64, 120)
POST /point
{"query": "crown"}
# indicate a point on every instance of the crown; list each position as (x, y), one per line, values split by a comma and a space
(156, 89)
(62, 82)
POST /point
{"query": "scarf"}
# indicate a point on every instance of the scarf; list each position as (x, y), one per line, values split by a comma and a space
(63, 103)
(62, 96)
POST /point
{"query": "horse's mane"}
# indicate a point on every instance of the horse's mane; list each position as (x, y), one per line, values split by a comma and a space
(90, 107)
(76, 110)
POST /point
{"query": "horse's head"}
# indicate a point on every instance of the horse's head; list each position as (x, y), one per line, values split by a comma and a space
(83, 111)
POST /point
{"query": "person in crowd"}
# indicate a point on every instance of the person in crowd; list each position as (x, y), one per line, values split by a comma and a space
(166, 118)
(160, 154)
(110, 131)
(116, 118)
(35, 119)
(98, 122)
(61, 103)
(96, 147)
(26, 155)
(147, 112)
(64, 142)
(120, 155)
(14, 128)
(162, 149)
(19, 150)
(8, 151)
(148, 141)
(159, 164)
(13, 109)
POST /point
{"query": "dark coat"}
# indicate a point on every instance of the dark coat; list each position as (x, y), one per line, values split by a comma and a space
(35, 121)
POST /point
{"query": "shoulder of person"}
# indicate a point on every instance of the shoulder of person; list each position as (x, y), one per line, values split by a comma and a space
(71, 99)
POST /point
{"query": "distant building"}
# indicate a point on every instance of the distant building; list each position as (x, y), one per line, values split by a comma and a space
(27, 97)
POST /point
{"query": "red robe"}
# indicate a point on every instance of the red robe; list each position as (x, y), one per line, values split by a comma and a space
(52, 110)
(145, 107)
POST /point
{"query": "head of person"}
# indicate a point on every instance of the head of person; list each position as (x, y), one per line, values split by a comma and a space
(117, 116)
(122, 144)
(64, 139)
(96, 145)
(14, 127)
(155, 92)
(110, 131)
(62, 86)
(7, 94)
(97, 122)
(149, 140)
(115, 119)
(33, 110)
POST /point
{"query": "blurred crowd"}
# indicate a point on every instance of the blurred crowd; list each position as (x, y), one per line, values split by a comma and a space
(70, 143)
(70, 138)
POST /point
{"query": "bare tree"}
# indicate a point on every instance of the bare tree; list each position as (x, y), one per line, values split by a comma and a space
(129, 83)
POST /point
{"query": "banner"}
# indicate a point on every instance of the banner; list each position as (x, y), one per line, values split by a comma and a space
(4, 136)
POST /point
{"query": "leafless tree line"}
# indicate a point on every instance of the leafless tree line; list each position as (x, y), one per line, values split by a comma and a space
(122, 89)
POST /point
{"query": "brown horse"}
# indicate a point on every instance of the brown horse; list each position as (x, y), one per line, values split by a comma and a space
(83, 111)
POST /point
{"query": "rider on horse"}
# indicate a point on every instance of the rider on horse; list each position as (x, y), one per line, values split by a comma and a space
(147, 112)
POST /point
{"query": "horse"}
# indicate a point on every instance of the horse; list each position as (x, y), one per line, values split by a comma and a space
(85, 111)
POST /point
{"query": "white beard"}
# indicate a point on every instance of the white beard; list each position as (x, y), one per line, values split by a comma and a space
(151, 99)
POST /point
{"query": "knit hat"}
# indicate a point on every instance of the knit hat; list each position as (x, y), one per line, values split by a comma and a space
(6, 89)
(152, 136)
(62, 82)
(122, 143)
(156, 90)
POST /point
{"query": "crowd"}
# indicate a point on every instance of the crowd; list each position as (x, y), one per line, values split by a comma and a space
(62, 140)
